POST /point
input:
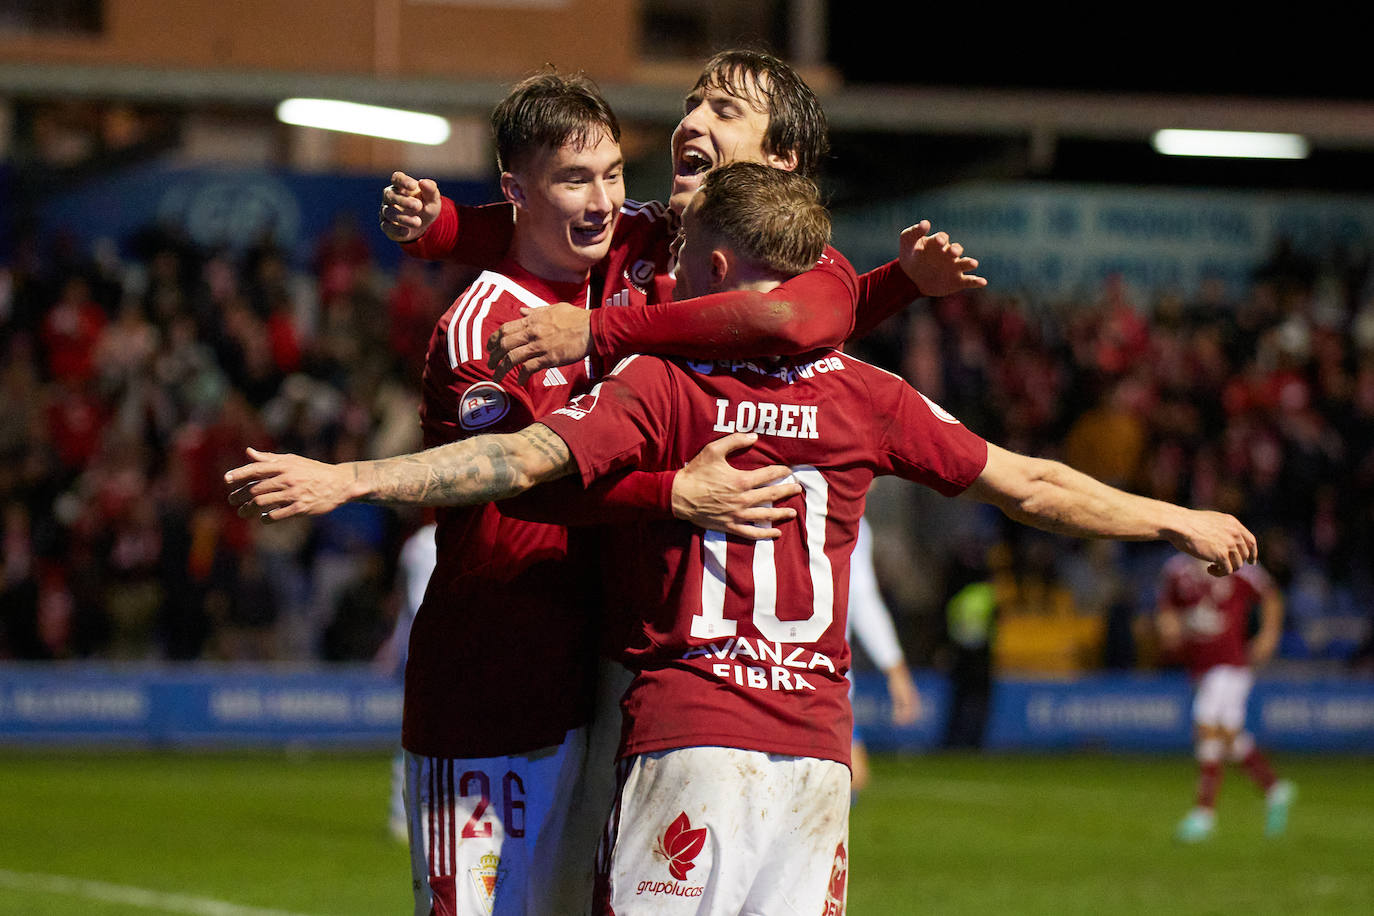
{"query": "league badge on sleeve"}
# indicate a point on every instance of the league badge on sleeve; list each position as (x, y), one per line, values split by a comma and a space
(940, 413)
(482, 405)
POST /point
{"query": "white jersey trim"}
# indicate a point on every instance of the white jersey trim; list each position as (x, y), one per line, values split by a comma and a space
(623, 364)
(652, 208)
(465, 328)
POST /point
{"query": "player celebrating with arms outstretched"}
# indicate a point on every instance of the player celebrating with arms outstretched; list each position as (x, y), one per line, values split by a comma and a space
(734, 786)
(745, 106)
(493, 757)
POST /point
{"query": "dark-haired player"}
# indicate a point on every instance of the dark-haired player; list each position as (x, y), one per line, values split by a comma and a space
(745, 106)
(493, 757)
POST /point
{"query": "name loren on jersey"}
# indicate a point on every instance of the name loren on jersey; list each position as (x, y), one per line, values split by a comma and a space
(785, 421)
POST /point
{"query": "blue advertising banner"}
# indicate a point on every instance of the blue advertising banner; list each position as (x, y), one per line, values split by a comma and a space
(1106, 712)
(233, 208)
(873, 713)
(1060, 242)
(1125, 712)
(192, 706)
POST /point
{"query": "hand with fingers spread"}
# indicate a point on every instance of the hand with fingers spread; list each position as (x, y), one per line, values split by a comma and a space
(935, 264)
(275, 487)
(712, 493)
(555, 335)
(409, 207)
(1218, 538)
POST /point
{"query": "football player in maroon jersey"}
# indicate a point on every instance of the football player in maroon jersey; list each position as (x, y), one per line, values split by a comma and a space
(745, 106)
(1204, 622)
(734, 781)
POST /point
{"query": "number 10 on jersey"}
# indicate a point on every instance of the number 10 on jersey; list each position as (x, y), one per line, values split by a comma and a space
(711, 622)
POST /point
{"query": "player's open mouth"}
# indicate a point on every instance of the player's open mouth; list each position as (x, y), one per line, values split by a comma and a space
(693, 162)
(590, 235)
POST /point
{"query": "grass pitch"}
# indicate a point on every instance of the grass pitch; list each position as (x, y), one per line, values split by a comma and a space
(305, 835)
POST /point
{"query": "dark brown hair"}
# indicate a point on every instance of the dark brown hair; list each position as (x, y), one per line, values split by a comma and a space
(770, 216)
(796, 121)
(546, 111)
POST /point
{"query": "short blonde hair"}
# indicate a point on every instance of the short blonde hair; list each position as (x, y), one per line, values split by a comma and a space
(770, 216)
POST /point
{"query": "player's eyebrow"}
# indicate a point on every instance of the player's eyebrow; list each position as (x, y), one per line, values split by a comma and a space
(586, 171)
(571, 171)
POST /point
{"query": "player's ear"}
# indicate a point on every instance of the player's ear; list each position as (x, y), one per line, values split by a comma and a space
(786, 161)
(510, 187)
(720, 267)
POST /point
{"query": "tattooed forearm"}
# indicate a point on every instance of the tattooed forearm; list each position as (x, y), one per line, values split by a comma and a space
(549, 447)
(469, 472)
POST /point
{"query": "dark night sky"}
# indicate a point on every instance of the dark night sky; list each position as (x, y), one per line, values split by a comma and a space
(1141, 50)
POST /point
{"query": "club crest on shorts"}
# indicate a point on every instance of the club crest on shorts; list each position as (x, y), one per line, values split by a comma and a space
(482, 405)
(487, 877)
(835, 889)
(680, 845)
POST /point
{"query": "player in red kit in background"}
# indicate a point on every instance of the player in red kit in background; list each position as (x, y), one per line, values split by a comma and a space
(1205, 623)
(734, 786)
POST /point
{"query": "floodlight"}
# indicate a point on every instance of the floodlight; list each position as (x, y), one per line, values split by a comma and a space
(1234, 144)
(371, 120)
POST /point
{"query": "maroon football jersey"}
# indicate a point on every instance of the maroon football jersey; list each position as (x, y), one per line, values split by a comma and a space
(1215, 611)
(638, 267)
(640, 271)
(502, 646)
(742, 643)
(819, 305)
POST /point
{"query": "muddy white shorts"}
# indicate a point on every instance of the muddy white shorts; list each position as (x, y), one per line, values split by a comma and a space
(717, 830)
(491, 835)
(1221, 697)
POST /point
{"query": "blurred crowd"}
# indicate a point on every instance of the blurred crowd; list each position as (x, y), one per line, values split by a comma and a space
(129, 385)
(131, 382)
(1255, 401)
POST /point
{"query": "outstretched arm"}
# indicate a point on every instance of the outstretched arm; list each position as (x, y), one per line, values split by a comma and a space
(708, 492)
(472, 471)
(811, 310)
(926, 265)
(432, 227)
(1054, 497)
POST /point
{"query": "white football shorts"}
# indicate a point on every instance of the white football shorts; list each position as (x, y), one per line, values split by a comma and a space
(718, 830)
(1221, 697)
(492, 835)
